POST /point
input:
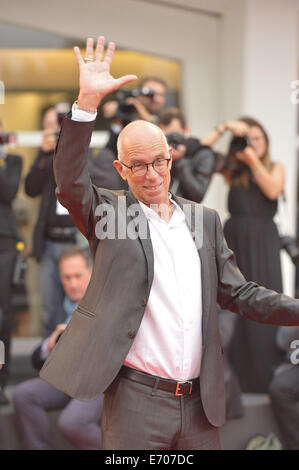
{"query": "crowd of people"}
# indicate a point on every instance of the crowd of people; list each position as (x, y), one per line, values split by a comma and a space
(256, 355)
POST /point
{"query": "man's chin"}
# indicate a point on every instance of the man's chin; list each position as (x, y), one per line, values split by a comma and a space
(75, 299)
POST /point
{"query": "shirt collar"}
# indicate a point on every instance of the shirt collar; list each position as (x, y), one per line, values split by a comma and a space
(177, 218)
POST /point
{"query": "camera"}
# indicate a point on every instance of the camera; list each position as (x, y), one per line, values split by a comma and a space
(289, 244)
(127, 112)
(239, 143)
(192, 144)
(9, 138)
(174, 139)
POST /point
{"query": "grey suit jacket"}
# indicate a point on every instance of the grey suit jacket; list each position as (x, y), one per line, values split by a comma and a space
(96, 342)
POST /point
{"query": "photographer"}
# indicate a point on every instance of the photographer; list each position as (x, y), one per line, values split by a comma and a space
(193, 163)
(10, 174)
(55, 229)
(255, 184)
(150, 100)
(32, 399)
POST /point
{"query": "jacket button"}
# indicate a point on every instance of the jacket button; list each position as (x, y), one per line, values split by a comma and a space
(131, 334)
(144, 301)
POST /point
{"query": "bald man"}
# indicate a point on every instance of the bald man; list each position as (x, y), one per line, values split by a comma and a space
(146, 332)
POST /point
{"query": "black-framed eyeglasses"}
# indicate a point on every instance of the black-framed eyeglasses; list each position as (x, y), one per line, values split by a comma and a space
(140, 169)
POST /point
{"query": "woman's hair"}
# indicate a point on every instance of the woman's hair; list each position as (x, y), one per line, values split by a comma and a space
(237, 173)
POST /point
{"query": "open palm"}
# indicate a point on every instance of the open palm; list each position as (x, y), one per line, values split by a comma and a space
(95, 78)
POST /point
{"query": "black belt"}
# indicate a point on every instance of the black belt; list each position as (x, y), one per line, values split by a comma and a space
(179, 389)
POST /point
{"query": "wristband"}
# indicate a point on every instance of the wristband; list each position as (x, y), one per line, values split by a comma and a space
(87, 110)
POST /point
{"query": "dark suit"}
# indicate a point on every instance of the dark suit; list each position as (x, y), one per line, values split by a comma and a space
(46, 248)
(96, 342)
(10, 175)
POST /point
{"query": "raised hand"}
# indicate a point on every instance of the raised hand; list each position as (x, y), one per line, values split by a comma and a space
(237, 127)
(95, 78)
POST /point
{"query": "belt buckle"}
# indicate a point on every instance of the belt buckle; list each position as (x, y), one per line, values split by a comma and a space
(178, 385)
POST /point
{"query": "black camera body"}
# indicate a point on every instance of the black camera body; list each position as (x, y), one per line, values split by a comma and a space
(127, 112)
(239, 143)
(192, 144)
(174, 139)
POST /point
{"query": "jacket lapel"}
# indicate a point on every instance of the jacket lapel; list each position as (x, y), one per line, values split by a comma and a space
(140, 222)
(206, 289)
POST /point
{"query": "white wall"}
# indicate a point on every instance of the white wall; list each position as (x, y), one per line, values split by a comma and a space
(188, 37)
(229, 89)
(270, 65)
(259, 62)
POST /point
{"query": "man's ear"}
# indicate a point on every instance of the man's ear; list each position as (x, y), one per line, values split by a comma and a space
(119, 167)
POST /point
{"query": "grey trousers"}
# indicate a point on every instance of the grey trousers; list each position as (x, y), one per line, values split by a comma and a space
(78, 422)
(284, 393)
(138, 417)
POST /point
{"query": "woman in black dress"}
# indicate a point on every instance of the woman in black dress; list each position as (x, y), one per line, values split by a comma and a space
(255, 185)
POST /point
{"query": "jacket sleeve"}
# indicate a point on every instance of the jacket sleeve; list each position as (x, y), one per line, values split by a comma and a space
(38, 173)
(195, 173)
(36, 358)
(247, 298)
(10, 175)
(74, 187)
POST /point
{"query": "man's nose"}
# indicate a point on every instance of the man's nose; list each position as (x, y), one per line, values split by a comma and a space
(73, 284)
(151, 172)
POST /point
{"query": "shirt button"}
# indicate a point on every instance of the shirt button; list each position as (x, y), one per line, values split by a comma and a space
(131, 334)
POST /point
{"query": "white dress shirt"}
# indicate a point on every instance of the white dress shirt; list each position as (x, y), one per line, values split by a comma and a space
(169, 341)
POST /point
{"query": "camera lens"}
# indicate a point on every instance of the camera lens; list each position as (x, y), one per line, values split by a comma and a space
(239, 143)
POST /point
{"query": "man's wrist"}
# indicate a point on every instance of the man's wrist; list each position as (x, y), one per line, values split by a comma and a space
(221, 128)
(84, 108)
(88, 103)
